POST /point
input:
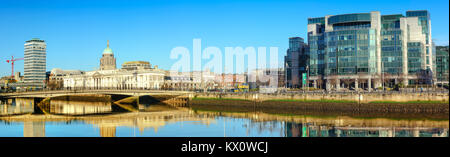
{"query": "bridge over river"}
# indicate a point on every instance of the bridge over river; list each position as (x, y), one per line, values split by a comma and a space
(175, 98)
(54, 93)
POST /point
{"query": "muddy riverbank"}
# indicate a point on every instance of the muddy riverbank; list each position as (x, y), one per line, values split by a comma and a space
(439, 111)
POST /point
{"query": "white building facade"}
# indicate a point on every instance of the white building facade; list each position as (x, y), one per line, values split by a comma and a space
(144, 77)
(116, 79)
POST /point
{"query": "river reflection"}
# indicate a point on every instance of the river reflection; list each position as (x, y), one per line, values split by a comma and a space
(311, 130)
(79, 107)
(61, 118)
(17, 106)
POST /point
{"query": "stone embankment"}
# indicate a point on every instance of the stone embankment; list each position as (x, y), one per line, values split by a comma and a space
(434, 106)
(356, 97)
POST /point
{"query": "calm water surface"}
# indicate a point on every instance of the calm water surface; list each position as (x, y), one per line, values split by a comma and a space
(24, 118)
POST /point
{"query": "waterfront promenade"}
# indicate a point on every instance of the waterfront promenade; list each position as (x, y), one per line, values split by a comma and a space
(360, 97)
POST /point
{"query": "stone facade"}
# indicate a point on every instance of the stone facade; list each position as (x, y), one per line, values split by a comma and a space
(108, 77)
(107, 62)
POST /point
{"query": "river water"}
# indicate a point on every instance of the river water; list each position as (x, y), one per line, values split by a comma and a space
(23, 117)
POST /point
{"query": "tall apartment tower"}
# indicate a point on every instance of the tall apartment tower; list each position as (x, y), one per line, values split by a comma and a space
(107, 62)
(35, 63)
(296, 62)
(366, 50)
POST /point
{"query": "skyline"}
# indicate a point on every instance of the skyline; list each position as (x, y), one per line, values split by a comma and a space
(149, 31)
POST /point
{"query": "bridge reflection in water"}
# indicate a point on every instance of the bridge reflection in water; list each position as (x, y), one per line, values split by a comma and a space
(17, 106)
(34, 113)
(109, 117)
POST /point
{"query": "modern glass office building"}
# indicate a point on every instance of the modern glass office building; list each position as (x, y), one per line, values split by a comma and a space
(295, 62)
(442, 65)
(35, 63)
(365, 50)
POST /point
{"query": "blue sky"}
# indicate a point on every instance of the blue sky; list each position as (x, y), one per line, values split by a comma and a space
(76, 31)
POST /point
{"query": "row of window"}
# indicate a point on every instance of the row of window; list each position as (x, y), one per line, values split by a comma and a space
(391, 32)
(349, 37)
(417, 13)
(392, 64)
(34, 61)
(391, 48)
(393, 70)
(348, 71)
(390, 37)
(344, 32)
(391, 42)
(390, 25)
(348, 26)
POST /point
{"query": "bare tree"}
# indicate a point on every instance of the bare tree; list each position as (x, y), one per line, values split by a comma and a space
(347, 82)
(54, 84)
(400, 79)
(424, 76)
(332, 79)
(386, 78)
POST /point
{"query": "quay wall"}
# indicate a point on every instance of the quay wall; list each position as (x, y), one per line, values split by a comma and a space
(357, 97)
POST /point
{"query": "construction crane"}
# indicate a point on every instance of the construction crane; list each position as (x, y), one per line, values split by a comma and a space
(12, 64)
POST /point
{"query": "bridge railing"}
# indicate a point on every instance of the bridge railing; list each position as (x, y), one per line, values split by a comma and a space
(84, 90)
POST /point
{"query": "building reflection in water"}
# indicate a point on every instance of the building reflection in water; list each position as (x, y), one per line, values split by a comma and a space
(79, 107)
(34, 129)
(146, 120)
(106, 131)
(17, 106)
(265, 126)
(151, 116)
(312, 130)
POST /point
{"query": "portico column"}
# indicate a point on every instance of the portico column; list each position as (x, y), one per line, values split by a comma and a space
(356, 84)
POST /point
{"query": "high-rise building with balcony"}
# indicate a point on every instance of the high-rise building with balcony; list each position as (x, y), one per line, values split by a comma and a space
(366, 50)
(35, 63)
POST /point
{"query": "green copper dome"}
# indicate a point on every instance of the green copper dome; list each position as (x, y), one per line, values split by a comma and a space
(107, 50)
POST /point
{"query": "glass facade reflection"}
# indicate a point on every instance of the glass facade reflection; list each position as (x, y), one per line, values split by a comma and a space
(321, 130)
(359, 50)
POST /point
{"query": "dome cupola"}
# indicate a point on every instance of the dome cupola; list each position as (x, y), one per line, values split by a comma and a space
(107, 50)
